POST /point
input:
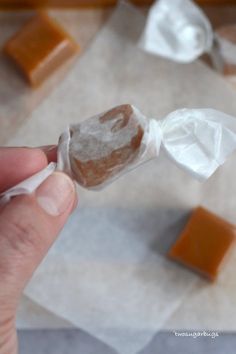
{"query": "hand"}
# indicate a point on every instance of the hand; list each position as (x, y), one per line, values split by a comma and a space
(29, 225)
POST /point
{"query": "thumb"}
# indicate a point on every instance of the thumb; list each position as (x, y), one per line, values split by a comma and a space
(28, 226)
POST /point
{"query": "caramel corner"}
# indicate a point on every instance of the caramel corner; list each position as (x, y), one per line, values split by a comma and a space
(39, 48)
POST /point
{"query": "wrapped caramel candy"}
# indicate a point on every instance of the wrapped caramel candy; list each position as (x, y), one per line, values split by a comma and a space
(100, 149)
(177, 30)
(180, 31)
(103, 146)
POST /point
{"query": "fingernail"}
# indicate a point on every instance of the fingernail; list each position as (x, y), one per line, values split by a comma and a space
(47, 148)
(56, 194)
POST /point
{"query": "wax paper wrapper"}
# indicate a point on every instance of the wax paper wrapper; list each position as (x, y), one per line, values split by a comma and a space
(103, 147)
(106, 273)
(177, 30)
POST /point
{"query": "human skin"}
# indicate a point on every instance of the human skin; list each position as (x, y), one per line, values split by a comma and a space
(29, 225)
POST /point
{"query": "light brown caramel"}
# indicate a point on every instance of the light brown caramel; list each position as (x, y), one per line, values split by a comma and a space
(39, 48)
(119, 121)
(204, 243)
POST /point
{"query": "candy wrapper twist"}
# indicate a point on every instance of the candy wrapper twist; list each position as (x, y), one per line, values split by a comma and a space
(177, 30)
(180, 31)
(101, 148)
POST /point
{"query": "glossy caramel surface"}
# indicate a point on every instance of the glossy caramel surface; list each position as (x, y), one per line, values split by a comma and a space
(39, 48)
(204, 243)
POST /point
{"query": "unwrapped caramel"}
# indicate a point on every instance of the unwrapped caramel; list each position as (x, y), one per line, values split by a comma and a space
(39, 48)
(204, 243)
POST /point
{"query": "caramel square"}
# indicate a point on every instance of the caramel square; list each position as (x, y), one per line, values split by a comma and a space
(204, 243)
(39, 48)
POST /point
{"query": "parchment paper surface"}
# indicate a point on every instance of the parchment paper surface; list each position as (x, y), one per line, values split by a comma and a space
(106, 273)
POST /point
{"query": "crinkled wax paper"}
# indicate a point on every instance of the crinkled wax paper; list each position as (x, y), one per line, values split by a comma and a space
(106, 273)
(178, 30)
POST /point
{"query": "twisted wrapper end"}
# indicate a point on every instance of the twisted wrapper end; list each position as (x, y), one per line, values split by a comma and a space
(29, 185)
(199, 140)
(63, 151)
(177, 30)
